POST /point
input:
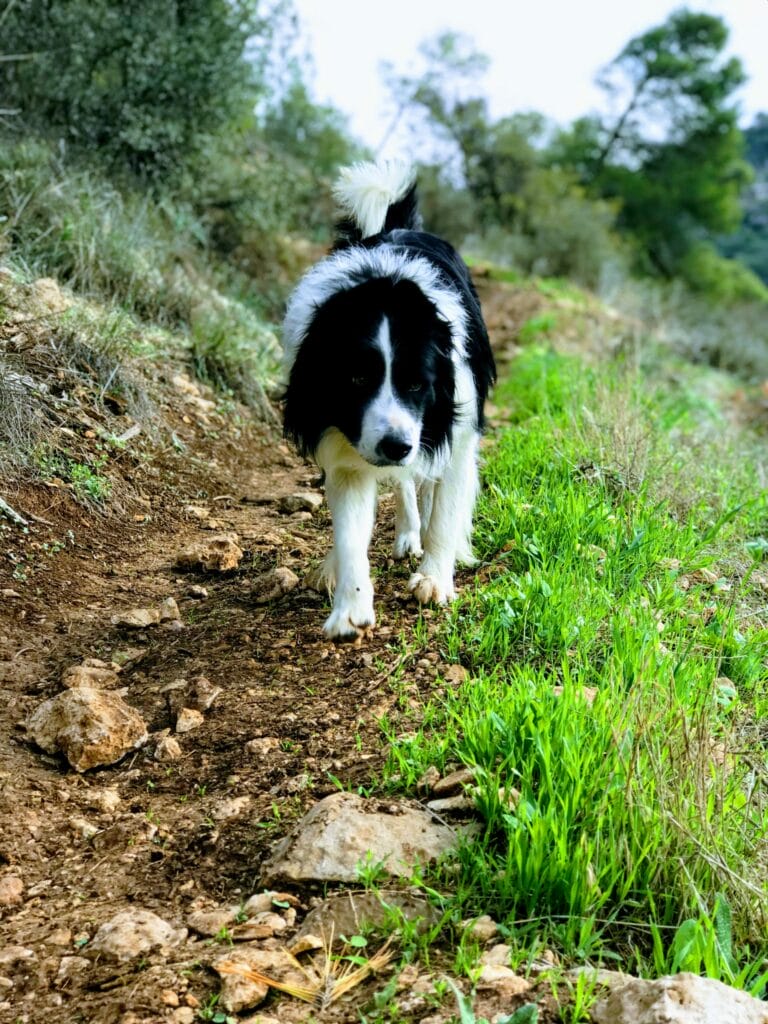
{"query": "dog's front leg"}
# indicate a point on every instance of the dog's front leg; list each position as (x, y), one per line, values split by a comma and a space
(449, 533)
(407, 522)
(352, 501)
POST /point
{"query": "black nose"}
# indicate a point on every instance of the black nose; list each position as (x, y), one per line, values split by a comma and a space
(393, 448)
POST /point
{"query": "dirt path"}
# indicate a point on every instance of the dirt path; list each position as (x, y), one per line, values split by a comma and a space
(175, 841)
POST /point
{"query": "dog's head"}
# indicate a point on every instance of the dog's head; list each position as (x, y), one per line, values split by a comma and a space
(375, 363)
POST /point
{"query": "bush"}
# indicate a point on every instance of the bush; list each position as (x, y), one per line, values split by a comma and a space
(144, 84)
(722, 280)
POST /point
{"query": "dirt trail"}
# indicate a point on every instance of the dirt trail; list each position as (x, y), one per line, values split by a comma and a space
(173, 842)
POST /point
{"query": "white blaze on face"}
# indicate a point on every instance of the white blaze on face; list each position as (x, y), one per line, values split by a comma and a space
(386, 416)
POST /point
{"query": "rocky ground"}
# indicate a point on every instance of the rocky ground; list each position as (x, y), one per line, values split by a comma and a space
(169, 710)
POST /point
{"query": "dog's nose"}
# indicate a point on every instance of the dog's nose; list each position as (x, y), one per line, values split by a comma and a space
(393, 448)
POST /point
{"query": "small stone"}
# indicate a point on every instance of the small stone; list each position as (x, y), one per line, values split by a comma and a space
(497, 955)
(262, 745)
(273, 585)
(92, 672)
(70, 966)
(211, 922)
(133, 932)
(344, 829)
(197, 592)
(11, 891)
(105, 800)
(305, 501)
(202, 693)
(481, 928)
(678, 999)
(183, 1015)
(168, 610)
(262, 902)
(502, 979)
(455, 782)
(189, 719)
(230, 808)
(60, 937)
(167, 749)
(136, 618)
(452, 804)
(84, 828)
(10, 956)
(455, 674)
(196, 512)
(241, 993)
(219, 553)
(426, 783)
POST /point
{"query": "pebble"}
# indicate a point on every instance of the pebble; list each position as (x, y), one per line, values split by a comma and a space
(11, 891)
(189, 719)
(167, 749)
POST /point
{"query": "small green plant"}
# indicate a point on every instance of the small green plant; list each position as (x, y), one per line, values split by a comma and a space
(528, 1014)
(210, 1013)
(224, 935)
(371, 872)
(582, 996)
(704, 945)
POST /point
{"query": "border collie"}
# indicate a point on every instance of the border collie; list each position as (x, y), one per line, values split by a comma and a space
(388, 365)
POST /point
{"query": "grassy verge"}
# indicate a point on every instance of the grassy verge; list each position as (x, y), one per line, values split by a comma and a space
(618, 653)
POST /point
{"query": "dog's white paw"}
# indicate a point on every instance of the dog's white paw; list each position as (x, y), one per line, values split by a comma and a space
(430, 590)
(348, 619)
(407, 544)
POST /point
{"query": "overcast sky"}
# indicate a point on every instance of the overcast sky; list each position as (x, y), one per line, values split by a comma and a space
(544, 53)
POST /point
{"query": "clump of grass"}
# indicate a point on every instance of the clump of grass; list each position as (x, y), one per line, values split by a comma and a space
(614, 807)
(150, 258)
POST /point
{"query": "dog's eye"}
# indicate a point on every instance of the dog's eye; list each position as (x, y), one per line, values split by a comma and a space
(414, 387)
(359, 381)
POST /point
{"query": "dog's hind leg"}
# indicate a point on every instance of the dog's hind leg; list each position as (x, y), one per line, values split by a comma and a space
(352, 500)
(449, 532)
(407, 538)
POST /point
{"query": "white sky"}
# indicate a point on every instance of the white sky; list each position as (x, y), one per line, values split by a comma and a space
(544, 53)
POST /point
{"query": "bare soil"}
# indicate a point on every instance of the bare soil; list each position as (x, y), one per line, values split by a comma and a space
(169, 846)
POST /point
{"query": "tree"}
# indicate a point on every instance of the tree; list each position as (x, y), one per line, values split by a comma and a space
(496, 189)
(750, 242)
(672, 156)
(142, 82)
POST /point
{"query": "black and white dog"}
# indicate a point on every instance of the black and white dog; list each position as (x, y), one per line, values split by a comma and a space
(388, 364)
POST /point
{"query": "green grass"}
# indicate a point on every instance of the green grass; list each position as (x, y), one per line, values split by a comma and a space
(613, 557)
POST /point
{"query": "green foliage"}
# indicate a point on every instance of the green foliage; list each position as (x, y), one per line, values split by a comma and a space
(593, 799)
(704, 945)
(750, 243)
(511, 209)
(722, 280)
(144, 84)
(314, 135)
(673, 82)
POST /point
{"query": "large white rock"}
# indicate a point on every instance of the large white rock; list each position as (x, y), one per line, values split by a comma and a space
(90, 727)
(677, 999)
(134, 932)
(345, 830)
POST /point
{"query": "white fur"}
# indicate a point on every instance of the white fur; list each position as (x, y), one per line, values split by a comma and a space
(365, 191)
(348, 267)
(434, 504)
(385, 414)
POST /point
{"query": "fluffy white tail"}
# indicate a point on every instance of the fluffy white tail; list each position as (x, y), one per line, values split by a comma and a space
(365, 191)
